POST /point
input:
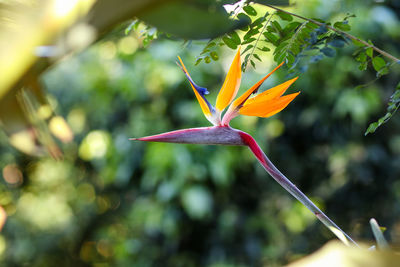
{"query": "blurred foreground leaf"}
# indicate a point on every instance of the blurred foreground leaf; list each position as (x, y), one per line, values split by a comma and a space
(337, 254)
(33, 36)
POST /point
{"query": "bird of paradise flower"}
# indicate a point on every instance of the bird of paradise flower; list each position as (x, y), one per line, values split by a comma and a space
(264, 105)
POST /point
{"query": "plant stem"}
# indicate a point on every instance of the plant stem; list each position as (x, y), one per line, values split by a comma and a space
(292, 189)
(380, 51)
(258, 39)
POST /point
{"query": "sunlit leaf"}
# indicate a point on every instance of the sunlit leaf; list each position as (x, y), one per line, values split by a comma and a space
(258, 21)
(229, 42)
(378, 63)
(271, 37)
(369, 51)
(361, 57)
(250, 10)
(250, 40)
(214, 55)
(257, 57)
(235, 38)
(198, 61)
(342, 25)
(284, 16)
(247, 48)
(250, 34)
(265, 49)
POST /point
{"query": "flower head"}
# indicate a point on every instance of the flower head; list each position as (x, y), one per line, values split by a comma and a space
(265, 104)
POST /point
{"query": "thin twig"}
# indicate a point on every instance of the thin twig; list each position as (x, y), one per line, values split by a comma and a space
(258, 39)
(380, 51)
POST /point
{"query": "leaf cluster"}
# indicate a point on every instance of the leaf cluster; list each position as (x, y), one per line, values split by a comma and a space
(291, 41)
(147, 33)
(288, 39)
(392, 107)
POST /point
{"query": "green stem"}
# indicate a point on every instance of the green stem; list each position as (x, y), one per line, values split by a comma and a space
(293, 190)
(258, 39)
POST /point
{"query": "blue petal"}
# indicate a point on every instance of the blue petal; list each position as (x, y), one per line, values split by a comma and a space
(201, 90)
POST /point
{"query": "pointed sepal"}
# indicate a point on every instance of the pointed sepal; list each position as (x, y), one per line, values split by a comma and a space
(217, 135)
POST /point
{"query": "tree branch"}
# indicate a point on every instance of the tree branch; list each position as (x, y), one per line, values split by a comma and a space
(380, 51)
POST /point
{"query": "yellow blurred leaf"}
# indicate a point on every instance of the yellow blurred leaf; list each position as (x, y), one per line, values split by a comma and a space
(335, 254)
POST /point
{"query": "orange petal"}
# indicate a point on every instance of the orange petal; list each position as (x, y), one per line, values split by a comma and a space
(204, 105)
(240, 100)
(231, 84)
(267, 108)
(272, 93)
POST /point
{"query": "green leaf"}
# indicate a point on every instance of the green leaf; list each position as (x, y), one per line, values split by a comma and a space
(258, 21)
(244, 17)
(131, 26)
(279, 57)
(198, 61)
(313, 26)
(209, 45)
(276, 25)
(271, 29)
(370, 52)
(245, 28)
(204, 51)
(250, 10)
(250, 34)
(378, 63)
(235, 38)
(248, 41)
(265, 49)
(214, 55)
(371, 128)
(393, 105)
(272, 38)
(257, 57)
(246, 58)
(358, 43)
(247, 49)
(361, 57)
(290, 59)
(252, 63)
(363, 66)
(383, 71)
(231, 44)
(290, 27)
(342, 25)
(284, 16)
(207, 59)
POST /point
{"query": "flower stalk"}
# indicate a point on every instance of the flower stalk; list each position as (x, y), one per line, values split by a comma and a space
(265, 104)
(293, 190)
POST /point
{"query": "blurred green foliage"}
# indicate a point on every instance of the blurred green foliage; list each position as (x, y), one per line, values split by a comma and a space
(112, 202)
